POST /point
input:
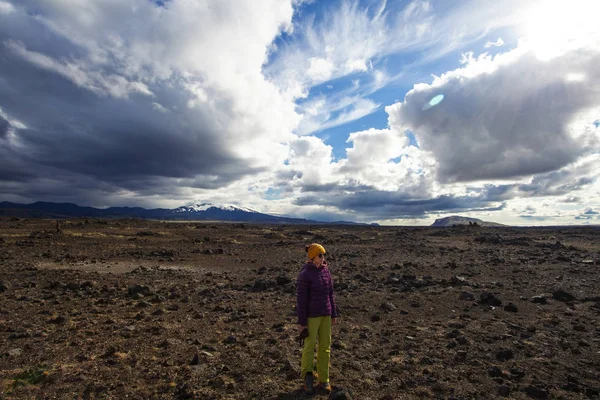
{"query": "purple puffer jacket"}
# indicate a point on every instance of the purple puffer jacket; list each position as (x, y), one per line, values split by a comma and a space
(314, 290)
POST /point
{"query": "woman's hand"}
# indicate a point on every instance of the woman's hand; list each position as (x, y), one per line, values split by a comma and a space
(333, 321)
(301, 328)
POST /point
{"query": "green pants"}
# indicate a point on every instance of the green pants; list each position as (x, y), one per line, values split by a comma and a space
(321, 327)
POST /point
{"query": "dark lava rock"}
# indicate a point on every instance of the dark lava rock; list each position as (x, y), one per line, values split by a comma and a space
(510, 307)
(283, 280)
(494, 239)
(262, 284)
(504, 354)
(489, 299)
(536, 392)
(210, 293)
(504, 390)
(539, 299)
(495, 372)
(517, 373)
(592, 393)
(139, 289)
(230, 340)
(341, 394)
(185, 391)
(58, 320)
(158, 298)
(4, 286)
(338, 344)
(561, 295)
(195, 360)
(289, 288)
(453, 334)
(375, 318)
(140, 316)
(22, 334)
(466, 296)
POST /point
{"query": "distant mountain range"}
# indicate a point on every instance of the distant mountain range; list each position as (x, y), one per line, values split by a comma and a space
(198, 212)
(457, 220)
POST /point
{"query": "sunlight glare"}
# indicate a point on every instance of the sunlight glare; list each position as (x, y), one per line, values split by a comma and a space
(553, 27)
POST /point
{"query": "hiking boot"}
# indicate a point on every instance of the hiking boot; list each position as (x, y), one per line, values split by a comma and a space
(309, 383)
(324, 386)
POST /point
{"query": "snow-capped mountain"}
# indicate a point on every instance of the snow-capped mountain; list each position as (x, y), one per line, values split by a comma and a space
(225, 212)
(207, 206)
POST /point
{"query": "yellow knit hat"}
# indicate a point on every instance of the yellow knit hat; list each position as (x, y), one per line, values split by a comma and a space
(314, 250)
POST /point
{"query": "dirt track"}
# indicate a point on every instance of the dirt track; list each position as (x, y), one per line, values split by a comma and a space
(151, 310)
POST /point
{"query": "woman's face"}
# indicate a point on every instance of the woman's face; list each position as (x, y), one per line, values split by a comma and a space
(318, 260)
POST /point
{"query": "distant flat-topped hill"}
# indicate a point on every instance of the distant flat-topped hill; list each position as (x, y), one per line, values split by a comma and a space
(457, 220)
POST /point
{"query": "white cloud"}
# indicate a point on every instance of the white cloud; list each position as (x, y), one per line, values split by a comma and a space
(6, 8)
(489, 127)
(319, 116)
(320, 69)
(311, 161)
(13, 122)
(497, 43)
(158, 107)
(383, 159)
(346, 41)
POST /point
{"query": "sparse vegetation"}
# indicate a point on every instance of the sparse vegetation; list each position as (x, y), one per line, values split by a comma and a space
(31, 376)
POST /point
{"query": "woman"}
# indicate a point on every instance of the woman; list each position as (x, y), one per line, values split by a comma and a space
(316, 313)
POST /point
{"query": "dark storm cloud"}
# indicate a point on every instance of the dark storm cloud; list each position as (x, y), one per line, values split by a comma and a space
(376, 204)
(4, 125)
(588, 215)
(538, 189)
(535, 217)
(390, 205)
(496, 192)
(332, 187)
(98, 142)
(555, 183)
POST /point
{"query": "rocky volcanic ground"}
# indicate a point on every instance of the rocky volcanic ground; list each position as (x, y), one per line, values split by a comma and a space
(148, 310)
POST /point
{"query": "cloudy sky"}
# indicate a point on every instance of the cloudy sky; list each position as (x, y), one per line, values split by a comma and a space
(395, 112)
